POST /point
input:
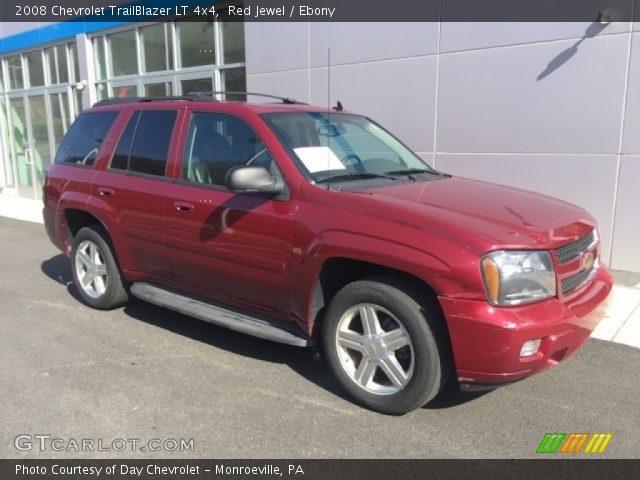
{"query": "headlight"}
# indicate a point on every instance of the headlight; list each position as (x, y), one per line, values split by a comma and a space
(517, 277)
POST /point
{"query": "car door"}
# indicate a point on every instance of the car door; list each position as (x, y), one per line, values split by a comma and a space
(230, 245)
(134, 185)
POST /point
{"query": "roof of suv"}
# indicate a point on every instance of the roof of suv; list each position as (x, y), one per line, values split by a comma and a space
(207, 101)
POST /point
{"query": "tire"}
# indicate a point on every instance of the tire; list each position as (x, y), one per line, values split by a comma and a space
(95, 270)
(386, 345)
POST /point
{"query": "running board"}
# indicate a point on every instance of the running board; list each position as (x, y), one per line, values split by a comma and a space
(229, 317)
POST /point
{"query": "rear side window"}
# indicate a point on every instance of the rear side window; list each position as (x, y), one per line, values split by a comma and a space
(123, 149)
(144, 144)
(83, 140)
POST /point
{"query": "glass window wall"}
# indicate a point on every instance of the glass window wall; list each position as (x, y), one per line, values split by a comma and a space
(172, 58)
(157, 47)
(123, 53)
(36, 109)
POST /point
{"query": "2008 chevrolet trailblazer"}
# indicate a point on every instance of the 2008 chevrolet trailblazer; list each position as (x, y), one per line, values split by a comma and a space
(302, 224)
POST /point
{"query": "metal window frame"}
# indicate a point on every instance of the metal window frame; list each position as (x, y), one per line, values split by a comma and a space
(174, 75)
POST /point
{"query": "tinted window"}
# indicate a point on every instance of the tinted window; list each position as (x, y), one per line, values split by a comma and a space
(121, 155)
(216, 143)
(151, 143)
(82, 142)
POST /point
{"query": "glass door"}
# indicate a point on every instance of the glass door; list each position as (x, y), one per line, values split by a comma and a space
(40, 141)
(20, 146)
(31, 142)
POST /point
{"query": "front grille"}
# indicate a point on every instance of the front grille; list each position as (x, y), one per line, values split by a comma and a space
(575, 249)
(569, 284)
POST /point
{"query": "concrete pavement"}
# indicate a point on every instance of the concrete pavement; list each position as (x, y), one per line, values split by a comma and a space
(622, 323)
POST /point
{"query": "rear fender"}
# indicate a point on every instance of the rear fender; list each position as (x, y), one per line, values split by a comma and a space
(68, 200)
(105, 215)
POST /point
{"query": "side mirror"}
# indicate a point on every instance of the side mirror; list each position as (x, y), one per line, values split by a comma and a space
(249, 179)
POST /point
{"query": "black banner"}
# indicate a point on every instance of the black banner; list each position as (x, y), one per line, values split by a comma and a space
(321, 10)
(320, 469)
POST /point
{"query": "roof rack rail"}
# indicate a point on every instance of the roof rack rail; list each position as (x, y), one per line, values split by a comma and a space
(119, 100)
(287, 100)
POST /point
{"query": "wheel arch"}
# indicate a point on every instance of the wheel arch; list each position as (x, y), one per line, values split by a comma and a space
(337, 272)
(76, 219)
(414, 305)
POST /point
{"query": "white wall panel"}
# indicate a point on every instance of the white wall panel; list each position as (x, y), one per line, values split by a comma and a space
(631, 139)
(540, 98)
(399, 94)
(459, 36)
(276, 46)
(293, 84)
(364, 42)
(626, 243)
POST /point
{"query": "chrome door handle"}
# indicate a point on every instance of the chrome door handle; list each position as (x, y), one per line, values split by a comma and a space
(106, 192)
(183, 207)
(27, 154)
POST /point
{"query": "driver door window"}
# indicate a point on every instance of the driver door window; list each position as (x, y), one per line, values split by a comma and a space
(216, 143)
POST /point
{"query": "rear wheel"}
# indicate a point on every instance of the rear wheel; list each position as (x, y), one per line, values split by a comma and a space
(386, 347)
(95, 271)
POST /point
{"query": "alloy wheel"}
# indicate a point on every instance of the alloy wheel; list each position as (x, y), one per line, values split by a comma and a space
(91, 269)
(375, 349)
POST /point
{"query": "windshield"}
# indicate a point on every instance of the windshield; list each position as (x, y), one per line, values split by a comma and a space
(343, 146)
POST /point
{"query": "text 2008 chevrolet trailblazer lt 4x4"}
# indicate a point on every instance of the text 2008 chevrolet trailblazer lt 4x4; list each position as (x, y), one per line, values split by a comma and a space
(308, 225)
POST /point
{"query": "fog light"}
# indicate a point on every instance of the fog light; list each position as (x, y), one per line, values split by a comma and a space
(530, 347)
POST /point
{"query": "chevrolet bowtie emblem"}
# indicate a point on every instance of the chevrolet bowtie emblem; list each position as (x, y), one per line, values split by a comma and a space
(587, 261)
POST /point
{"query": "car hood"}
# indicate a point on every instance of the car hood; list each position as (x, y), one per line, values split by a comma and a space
(502, 216)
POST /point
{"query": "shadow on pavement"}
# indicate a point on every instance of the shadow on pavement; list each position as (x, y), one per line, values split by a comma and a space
(307, 362)
(452, 396)
(57, 268)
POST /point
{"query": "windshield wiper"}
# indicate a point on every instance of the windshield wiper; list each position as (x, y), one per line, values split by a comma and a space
(415, 171)
(356, 176)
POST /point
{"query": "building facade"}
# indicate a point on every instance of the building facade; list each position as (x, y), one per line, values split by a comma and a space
(46, 84)
(553, 108)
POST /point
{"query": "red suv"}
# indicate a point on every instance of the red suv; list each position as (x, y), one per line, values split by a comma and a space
(304, 224)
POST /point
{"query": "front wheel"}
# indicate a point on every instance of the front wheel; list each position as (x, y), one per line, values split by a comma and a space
(387, 347)
(95, 271)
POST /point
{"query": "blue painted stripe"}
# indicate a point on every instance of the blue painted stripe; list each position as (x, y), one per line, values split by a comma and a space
(51, 33)
(62, 30)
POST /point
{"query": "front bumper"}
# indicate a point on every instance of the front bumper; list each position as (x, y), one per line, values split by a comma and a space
(486, 340)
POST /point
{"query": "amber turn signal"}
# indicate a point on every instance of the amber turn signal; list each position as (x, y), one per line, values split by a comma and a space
(491, 274)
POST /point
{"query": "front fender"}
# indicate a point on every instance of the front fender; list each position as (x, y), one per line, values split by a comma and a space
(307, 265)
